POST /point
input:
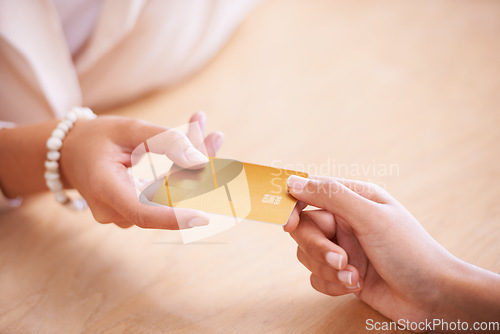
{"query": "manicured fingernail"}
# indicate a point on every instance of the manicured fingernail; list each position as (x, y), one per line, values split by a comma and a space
(197, 222)
(334, 259)
(296, 183)
(345, 277)
(357, 286)
(194, 156)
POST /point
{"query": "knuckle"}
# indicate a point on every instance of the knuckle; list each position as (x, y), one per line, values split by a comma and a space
(314, 282)
(377, 192)
(99, 216)
(316, 248)
(122, 223)
(324, 188)
(373, 189)
(304, 215)
(137, 219)
(309, 247)
(326, 272)
(376, 188)
(322, 286)
(380, 190)
(361, 188)
(331, 290)
(132, 125)
(322, 247)
(300, 255)
(325, 287)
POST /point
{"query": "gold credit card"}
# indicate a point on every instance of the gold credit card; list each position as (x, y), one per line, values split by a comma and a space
(231, 188)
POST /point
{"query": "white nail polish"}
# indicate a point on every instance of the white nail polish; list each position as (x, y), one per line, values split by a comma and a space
(345, 277)
(334, 259)
(357, 286)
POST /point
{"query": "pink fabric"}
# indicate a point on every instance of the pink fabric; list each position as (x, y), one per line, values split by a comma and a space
(136, 46)
(78, 19)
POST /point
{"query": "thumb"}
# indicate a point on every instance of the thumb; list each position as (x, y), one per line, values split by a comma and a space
(335, 197)
(178, 148)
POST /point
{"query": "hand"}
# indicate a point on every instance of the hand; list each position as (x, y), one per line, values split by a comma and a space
(364, 242)
(95, 157)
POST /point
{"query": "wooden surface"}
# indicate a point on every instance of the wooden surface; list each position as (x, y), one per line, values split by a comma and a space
(348, 84)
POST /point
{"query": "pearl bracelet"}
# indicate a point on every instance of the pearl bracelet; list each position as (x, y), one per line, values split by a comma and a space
(54, 144)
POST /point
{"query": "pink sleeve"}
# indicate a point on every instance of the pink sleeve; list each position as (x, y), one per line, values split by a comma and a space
(6, 203)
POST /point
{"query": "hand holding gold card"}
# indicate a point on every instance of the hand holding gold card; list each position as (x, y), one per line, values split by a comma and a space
(231, 188)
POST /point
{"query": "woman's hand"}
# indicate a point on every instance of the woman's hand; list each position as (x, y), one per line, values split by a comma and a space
(95, 157)
(363, 241)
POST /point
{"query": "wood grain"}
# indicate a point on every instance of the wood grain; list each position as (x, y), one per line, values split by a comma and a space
(326, 86)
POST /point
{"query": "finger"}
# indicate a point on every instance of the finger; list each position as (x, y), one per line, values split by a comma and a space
(367, 190)
(314, 243)
(196, 131)
(107, 215)
(122, 223)
(320, 269)
(348, 277)
(332, 288)
(201, 118)
(157, 139)
(213, 142)
(324, 220)
(120, 194)
(293, 221)
(137, 131)
(348, 240)
(178, 148)
(334, 197)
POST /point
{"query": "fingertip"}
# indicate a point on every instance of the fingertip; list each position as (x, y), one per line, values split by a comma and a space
(197, 125)
(194, 157)
(197, 221)
(198, 116)
(350, 277)
(289, 227)
(296, 183)
(218, 140)
(219, 134)
(213, 142)
(201, 113)
(354, 288)
(187, 218)
(292, 222)
(345, 276)
(335, 259)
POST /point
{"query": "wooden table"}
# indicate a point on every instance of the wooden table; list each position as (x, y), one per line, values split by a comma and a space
(402, 93)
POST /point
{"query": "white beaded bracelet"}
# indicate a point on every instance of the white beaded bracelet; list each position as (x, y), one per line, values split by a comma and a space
(54, 144)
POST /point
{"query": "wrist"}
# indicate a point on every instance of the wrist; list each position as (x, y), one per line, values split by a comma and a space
(54, 144)
(469, 293)
(69, 153)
